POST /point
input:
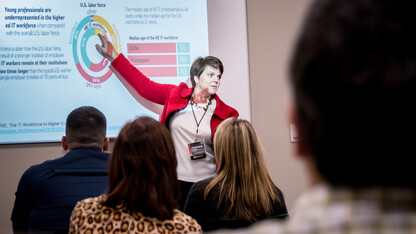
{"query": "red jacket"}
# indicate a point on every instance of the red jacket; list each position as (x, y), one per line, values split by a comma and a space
(172, 97)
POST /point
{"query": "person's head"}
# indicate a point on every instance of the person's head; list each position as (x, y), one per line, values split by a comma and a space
(353, 75)
(85, 127)
(142, 169)
(242, 170)
(237, 147)
(206, 73)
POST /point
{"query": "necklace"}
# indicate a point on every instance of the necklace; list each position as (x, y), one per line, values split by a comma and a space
(196, 121)
(193, 103)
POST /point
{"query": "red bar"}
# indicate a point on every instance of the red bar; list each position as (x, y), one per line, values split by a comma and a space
(135, 48)
(159, 71)
(152, 59)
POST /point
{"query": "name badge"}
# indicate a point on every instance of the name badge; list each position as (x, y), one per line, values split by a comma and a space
(197, 150)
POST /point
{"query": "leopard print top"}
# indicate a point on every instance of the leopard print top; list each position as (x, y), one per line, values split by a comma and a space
(90, 216)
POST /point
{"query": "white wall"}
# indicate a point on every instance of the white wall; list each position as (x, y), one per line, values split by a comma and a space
(227, 28)
(272, 29)
(271, 26)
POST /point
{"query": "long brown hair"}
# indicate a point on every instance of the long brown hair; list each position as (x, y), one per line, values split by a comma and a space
(142, 170)
(246, 189)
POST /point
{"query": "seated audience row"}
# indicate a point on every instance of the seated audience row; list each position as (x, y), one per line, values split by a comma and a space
(142, 191)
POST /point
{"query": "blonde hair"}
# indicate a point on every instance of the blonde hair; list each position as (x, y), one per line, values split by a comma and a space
(245, 187)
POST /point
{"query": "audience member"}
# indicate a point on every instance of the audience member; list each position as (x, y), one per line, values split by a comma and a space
(143, 187)
(241, 192)
(48, 192)
(353, 76)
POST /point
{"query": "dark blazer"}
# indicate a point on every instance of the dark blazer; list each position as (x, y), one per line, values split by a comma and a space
(211, 218)
(48, 192)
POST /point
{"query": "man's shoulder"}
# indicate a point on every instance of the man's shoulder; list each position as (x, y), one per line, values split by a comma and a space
(44, 165)
(70, 158)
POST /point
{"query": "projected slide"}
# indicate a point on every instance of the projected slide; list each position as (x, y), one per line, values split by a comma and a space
(49, 64)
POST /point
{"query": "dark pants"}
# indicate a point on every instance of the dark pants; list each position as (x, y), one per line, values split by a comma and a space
(185, 187)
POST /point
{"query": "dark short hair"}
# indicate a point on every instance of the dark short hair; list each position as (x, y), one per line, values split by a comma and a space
(142, 170)
(86, 125)
(199, 65)
(353, 74)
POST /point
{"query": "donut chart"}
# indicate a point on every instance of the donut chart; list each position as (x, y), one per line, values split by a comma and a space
(90, 26)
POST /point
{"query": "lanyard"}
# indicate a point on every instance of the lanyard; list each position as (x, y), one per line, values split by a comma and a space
(196, 121)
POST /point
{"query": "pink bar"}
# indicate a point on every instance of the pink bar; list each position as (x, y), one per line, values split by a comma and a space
(159, 71)
(152, 59)
(135, 48)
